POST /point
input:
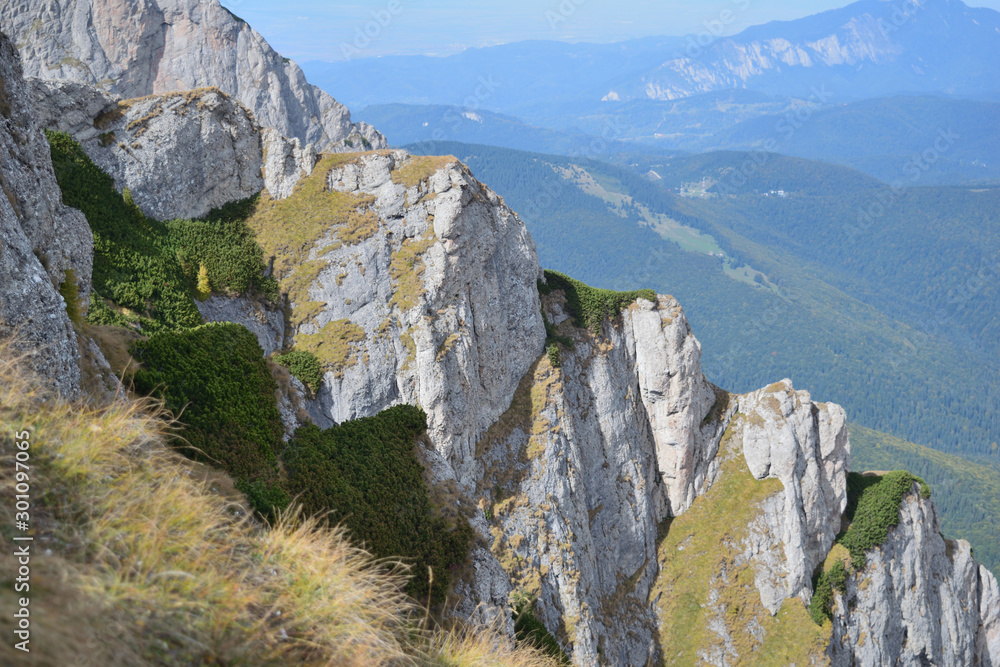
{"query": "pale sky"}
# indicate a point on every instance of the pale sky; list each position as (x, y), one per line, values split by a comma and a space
(319, 29)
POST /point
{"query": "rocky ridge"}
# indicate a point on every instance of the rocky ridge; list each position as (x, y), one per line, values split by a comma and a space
(179, 154)
(134, 48)
(921, 599)
(43, 244)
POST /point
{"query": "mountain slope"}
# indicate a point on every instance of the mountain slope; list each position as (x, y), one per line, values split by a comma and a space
(156, 46)
(881, 137)
(866, 49)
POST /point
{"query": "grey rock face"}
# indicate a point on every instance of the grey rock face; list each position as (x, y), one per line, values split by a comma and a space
(141, 47)
(788, 437)
(988, 640)
(268, 324)
(571, 485)
(444, 293)
(920, 600)
(40, 239)
(285, 162)
(179, 154)
(676, 397)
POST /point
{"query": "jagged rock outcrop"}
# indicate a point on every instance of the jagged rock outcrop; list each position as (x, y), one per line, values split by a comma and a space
(425, 295)
(788, 437)
(920, 600)
(571, 488)
(134, 48)
(285, 162)
(179, 154)
(42, 242)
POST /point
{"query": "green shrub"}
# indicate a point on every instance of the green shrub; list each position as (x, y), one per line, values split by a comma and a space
(554, 358)
(873, 508)
(365, 474)
(303, 365)
(268, 499)
(822, 599)
(828, 581)
(837, 576)
(587, 305)
(150, 267)
(528, 629)
(70, 292)
(215, 379)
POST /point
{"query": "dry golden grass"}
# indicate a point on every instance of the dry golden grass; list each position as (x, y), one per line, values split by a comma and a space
(419, 168)
(289, 229)
(143, 557)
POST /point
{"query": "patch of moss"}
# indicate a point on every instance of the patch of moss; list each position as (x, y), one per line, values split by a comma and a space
(411, 348)
(590, 306)
(334, 345)
(446, 346)
(407, 271)
(70, 291)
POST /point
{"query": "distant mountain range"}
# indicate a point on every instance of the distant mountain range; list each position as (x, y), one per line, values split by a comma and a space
(900, 71)
(870, 48)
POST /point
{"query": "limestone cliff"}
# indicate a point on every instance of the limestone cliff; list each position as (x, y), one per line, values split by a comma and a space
(648, 514)
(180, 154)
(921, 599)
(43, 244)
(414, 284)
(134, 48)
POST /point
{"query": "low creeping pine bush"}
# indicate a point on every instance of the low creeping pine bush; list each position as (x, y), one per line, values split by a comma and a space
(149, 268)
(215, 379)
(365, 473)
(588, 305)
(303, 365)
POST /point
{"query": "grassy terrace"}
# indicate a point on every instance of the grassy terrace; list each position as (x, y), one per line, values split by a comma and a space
(697, 548)
(290, 229)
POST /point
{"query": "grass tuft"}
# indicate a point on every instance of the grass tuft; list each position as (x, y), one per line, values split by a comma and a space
(144, 557)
